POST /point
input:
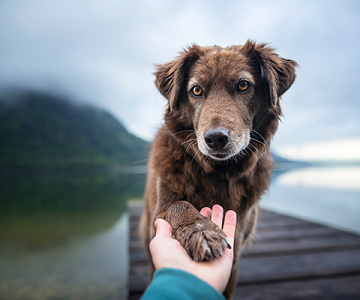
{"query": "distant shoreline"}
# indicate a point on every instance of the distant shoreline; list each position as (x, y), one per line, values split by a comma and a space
(129, 169)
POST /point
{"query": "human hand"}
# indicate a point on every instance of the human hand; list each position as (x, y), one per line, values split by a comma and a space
(167, 252)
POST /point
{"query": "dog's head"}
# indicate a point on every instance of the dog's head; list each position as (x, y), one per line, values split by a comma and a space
(227, 97)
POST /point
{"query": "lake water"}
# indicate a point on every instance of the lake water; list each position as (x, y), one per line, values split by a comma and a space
(327, 195)
(65, 236)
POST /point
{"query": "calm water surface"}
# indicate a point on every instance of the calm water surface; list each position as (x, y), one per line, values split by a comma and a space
(65, 236)
(327, 195)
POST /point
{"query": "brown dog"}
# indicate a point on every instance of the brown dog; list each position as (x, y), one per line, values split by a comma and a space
(223, 109)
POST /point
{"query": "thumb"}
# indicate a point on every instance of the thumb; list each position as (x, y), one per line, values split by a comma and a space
(163, 228)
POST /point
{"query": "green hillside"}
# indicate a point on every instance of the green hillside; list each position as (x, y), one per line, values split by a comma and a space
(42, 129)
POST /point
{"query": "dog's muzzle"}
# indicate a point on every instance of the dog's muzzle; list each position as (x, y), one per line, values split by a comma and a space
(220, 144)
(217, 140)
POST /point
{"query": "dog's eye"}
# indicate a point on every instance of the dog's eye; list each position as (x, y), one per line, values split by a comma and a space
(197, 91)
(243, 85)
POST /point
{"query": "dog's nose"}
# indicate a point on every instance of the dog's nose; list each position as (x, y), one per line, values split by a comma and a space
(216, 138)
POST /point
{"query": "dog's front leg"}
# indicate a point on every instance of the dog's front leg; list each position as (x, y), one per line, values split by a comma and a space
(201, 238)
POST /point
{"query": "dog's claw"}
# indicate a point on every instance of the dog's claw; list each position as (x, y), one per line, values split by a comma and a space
(208, 253)
(226, 243)
(191, 253)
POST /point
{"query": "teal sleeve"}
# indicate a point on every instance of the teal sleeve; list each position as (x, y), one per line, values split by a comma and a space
(179, 285)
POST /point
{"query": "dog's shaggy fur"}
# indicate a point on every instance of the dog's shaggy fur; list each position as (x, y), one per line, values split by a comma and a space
(223, 109)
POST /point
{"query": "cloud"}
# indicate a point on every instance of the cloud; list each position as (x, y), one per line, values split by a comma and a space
(338, 150)
(104, 53)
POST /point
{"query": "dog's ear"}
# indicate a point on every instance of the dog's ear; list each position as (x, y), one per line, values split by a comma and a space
(277, 73)
(170, 77)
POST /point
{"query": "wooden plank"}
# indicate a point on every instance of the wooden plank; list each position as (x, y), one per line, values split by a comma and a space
(337, 288)
(267, 213)
(303, 245)
(279, 222)
(309, 232)
(266, 269)
(139, 279)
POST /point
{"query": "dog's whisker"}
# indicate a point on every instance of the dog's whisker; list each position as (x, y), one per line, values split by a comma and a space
(189, 141)
(257, 158)
(245, 152)
(236, 157)
(178, 132)
(254, 131)
(257, 141)
(230, 160)
(257, 151)
(194, 156)
(254, 154)
(193, 143)
(190, 146)
(190, 135)
(242, 154)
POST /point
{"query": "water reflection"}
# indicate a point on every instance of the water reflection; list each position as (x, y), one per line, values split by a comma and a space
(86, 268)
(64, 235)
(329, 195)
(67, 190)
(346, 178)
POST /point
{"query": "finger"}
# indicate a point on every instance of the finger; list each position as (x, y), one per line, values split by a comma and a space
(206, 212)
(163, 228)
(163, 232)
(217, 215)
(230, 226)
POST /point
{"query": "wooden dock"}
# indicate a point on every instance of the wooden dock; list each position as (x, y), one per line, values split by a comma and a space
(290, 259)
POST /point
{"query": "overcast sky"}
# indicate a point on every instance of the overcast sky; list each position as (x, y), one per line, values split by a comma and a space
(104, 52)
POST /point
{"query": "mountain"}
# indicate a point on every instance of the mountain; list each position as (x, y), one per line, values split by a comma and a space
(44, 129)
(278, 159)
(282, 163)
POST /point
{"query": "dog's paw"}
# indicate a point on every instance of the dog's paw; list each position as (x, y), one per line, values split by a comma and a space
(201, 238)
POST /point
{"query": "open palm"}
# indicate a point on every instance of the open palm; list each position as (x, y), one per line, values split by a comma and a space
(168, 253)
